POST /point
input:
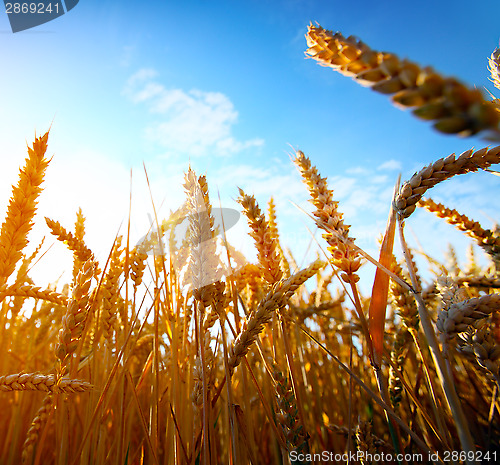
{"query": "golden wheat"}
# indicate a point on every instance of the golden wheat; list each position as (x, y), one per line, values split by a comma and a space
(343, 254)
(22, 208)
(264, 236)
(444, 168)
(454, 107)
(277, 297)
(485, 238)
(123, 366)
(39, 382)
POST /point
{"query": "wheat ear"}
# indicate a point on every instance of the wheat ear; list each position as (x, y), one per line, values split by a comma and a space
(276, 298)
(454, 107)
(36, 426)
(75, 317)
(109, 291)
(341, 246)
(444, 168)
(79, 235)
(39, 382)
(22, 208)
(288, 415)
(273, 228)
(398, 358)
(204, 264)
(27, 290)
(76, 245)
(137, 267)
(482, 345)
(494, 67)
(485, 238)
(264, 236)
(460, 315)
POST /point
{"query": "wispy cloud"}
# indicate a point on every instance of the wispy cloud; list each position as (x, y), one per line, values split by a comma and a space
(390, 165)
(127, 55)
(192, 123)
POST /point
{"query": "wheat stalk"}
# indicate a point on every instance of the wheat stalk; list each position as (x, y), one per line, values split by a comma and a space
(341, 246)
(40, 382)
(22, 208)
(264, 236)
(444, 168)
(485, 238)
(276, 298)
(454, 107)
(494, 67)
(75, 244)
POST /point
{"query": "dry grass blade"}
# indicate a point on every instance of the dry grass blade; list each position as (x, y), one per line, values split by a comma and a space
(380, 292)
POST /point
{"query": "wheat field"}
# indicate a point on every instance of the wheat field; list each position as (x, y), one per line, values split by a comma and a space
(180, 351)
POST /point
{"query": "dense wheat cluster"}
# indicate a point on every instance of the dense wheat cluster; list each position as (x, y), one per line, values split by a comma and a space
(179, 351)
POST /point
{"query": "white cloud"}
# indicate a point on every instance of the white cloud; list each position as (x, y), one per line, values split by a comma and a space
(128, 53)
(390, 165)
(143, 74)
(358, 170)
(188, 123)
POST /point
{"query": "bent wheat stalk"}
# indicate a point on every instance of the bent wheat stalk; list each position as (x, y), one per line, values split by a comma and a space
(277, 297)
(485, 238)
(444, 168)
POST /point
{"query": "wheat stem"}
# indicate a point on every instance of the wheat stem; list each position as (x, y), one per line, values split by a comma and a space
(443, 374)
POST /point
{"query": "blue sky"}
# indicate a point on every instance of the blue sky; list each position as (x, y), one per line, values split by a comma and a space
(225, 86)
